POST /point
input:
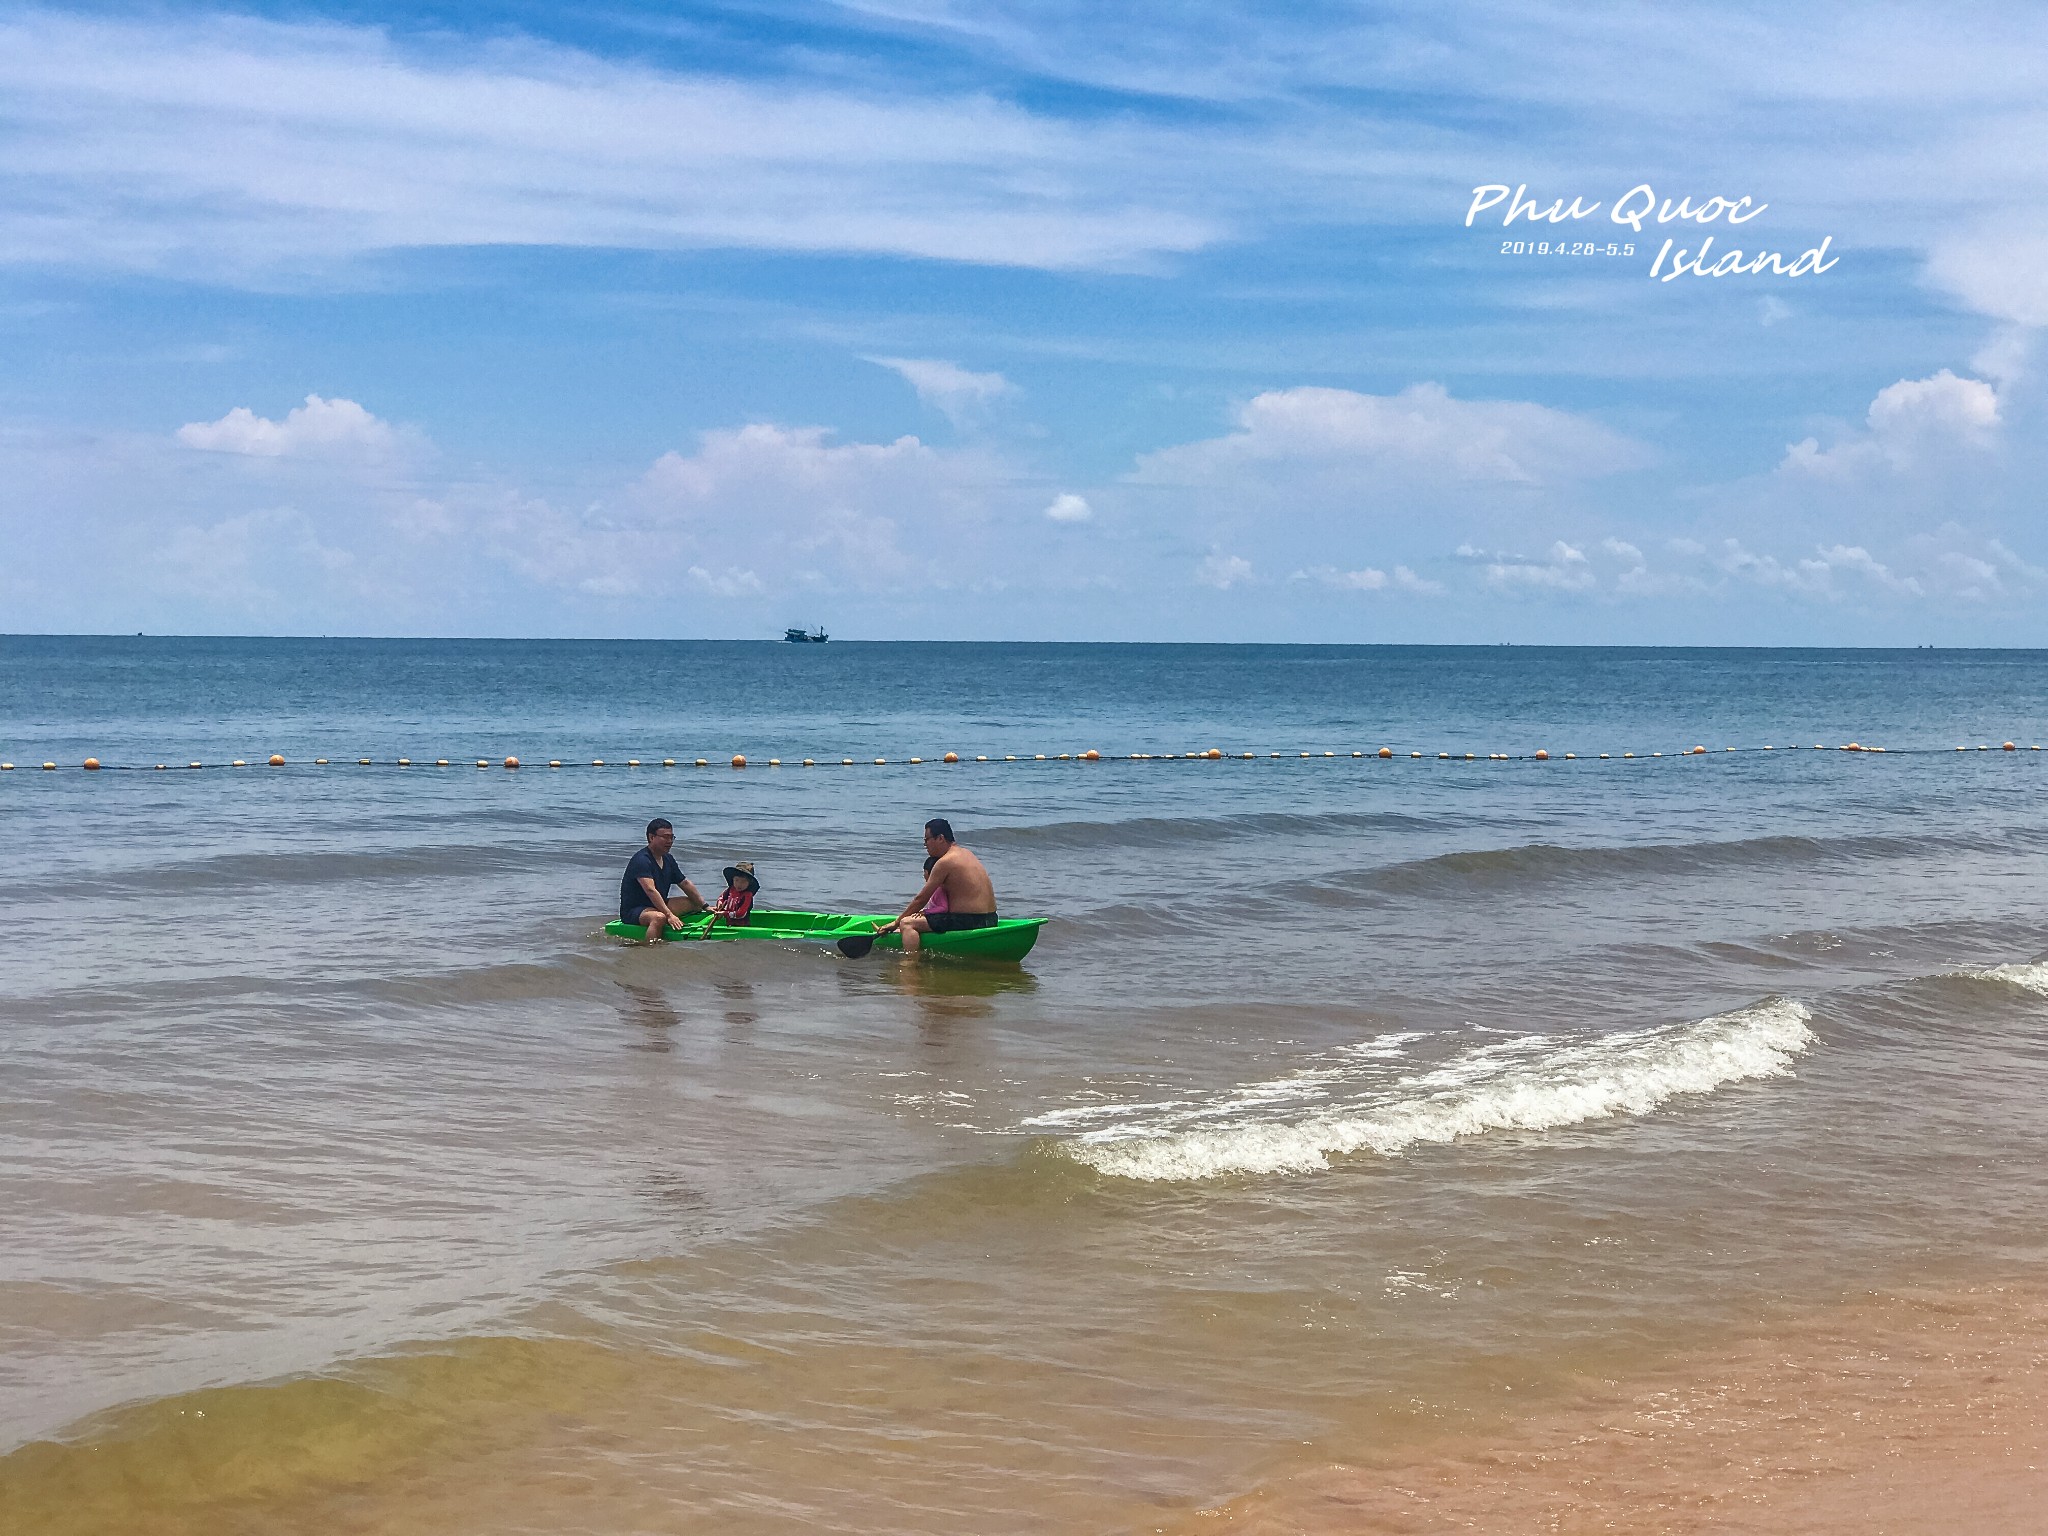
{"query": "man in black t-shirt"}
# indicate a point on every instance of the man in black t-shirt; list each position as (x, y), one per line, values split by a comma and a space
(643, 893)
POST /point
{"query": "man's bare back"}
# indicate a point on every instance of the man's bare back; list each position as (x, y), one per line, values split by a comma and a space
(970, 893)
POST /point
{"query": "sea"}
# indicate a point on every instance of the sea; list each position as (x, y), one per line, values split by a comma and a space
(353, 1179)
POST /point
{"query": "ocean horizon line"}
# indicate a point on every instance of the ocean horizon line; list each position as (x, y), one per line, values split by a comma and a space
(1214, 645)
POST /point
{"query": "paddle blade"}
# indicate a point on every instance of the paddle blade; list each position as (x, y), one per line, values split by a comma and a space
(856, 946)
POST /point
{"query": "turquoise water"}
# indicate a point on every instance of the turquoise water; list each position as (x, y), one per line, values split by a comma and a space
(1341, 1092)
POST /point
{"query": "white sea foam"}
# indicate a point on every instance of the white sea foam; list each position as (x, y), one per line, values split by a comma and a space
(1297, 1123)
(2030, 977)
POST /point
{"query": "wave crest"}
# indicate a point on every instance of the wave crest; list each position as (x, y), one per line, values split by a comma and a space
(1527, 1083)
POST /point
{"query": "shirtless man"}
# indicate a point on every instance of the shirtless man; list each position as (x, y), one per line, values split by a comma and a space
(970, 894)
(643, 893)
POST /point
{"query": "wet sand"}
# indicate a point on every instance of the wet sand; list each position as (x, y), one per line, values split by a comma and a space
(1891, 1416)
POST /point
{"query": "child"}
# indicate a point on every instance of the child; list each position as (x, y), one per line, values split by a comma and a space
(738, 898)
(938, 902)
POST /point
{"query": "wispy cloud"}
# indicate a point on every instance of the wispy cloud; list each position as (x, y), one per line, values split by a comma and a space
(218, 144)
(960, 395)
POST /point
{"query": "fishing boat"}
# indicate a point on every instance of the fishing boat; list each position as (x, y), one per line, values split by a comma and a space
(803, 637)
(1010, 938)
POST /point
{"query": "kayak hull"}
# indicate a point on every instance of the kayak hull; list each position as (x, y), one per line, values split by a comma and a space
(1010, 939)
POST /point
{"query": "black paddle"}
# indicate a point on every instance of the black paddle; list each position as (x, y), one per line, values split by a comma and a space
(856, 945)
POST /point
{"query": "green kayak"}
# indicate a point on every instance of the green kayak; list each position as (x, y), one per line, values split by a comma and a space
(1010, 939)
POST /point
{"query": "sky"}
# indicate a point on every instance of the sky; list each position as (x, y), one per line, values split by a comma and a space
(961, 319)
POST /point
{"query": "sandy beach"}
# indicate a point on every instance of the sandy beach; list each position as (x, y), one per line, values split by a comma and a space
(1899, 1415)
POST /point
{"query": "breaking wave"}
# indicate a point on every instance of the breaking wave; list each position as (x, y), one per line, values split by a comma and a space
(2029, 976)
(1299, 1122)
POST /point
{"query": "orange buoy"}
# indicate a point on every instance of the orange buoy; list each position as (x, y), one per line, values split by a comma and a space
(1091, 756)
(1696, 751)
(276, 761)
(1386, 752)
(951, 757)
(1542, 756)
(1213, 753)
(511, 762)
(92, 765)
(2008, 747)
(739, 760)
(1853, 746)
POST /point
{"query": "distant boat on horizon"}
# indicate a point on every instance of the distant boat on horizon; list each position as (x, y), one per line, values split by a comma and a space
(800, 637)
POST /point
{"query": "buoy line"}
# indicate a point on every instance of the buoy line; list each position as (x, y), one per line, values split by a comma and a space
(739, 761)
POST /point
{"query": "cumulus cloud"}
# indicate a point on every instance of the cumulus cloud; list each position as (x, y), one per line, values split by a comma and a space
(960, 395)
(1906, 421)
(317, 427)
(1565, 570)
(1069, 508)
(1223, 571)
(1420, 434)
(1368, 579)
(1816, 574)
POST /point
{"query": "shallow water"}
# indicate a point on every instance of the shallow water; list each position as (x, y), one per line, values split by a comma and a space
(1344, 1099)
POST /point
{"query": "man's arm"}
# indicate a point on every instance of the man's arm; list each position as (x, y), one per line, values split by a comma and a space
(924, 894)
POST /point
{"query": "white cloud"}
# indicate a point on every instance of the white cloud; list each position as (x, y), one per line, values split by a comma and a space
(1069, 508)
(1567, 570)
(1368, 579)
(1420, 434)
(317, 427)
(948, 387)
(1814, 574)
(1905, 422)
(1223, 571)
(224, 145)
(1998, 271)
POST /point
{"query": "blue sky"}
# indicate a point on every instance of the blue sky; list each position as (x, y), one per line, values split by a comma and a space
(1020, 321)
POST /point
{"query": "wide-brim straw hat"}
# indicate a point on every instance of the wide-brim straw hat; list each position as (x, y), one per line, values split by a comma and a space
(737, 872)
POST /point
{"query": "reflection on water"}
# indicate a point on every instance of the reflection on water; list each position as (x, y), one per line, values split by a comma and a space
(737, 991)
(651, 1012)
